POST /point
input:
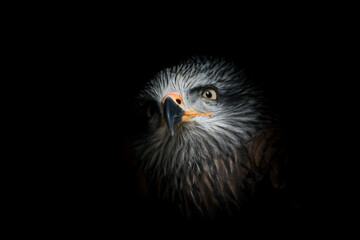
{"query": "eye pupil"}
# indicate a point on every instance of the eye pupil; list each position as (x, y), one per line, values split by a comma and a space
(208, 94)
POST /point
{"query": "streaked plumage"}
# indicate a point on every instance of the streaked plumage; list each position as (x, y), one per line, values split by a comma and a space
(209, 164)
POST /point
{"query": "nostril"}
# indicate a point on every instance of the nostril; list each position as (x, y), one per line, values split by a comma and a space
(178, 101)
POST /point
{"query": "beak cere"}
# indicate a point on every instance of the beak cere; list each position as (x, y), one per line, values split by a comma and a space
(172, 113)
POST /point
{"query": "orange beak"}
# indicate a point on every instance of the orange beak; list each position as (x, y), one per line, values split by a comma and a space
(175, 111)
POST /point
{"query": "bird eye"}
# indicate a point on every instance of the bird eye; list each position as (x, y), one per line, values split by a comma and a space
(210, 94)
(150, 110)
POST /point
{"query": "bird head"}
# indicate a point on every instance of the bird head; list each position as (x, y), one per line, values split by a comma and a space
(194, 111)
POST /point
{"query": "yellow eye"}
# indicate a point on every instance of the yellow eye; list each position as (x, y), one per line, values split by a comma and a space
(210, 94)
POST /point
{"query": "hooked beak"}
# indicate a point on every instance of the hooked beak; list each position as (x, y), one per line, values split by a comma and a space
(174, 111)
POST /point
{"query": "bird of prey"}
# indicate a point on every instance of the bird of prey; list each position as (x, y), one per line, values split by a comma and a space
(209, 141)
